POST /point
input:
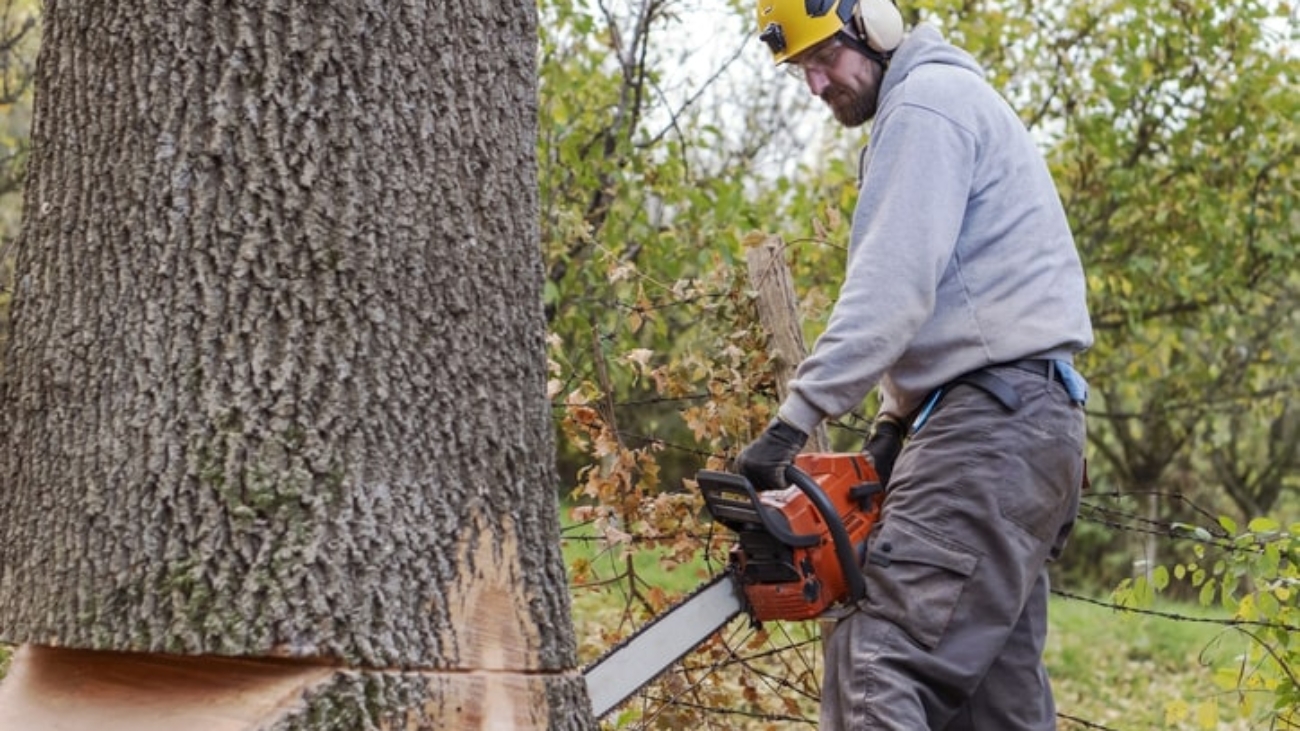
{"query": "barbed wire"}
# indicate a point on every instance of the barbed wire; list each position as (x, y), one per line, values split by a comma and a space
(1081, 722)
(1219, 621)
(1177, 497)
(1064, 594)
(1106, 508)
(1089, 511)
(1092, 510)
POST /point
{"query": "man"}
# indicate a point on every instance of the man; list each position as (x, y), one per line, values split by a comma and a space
(964, 301)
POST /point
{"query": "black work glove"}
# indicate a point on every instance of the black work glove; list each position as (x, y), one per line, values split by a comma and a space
(765, 459)
(884, 444)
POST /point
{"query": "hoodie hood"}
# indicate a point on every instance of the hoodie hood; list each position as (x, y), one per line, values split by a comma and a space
(924, 45)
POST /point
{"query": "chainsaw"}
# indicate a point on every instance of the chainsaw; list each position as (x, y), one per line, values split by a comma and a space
(797, 554)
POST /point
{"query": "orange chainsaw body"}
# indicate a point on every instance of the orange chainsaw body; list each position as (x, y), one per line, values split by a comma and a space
(787, 557)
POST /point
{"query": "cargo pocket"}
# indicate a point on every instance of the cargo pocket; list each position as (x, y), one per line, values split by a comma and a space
(914, 580)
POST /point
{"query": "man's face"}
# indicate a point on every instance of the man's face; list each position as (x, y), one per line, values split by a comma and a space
(845, 79)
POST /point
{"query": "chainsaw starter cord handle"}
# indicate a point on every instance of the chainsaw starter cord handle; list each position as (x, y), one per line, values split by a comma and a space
(843, 548)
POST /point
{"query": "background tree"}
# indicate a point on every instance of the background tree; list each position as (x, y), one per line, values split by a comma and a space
(275, 385)
(653, 160)
(1177, 165)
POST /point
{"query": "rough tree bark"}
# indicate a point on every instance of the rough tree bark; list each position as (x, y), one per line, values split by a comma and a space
(275, 438)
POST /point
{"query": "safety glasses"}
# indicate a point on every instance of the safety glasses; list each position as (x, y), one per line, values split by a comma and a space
(821, 57)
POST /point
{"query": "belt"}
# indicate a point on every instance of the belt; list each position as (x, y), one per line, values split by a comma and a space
(1001, 391)
(1037, 366)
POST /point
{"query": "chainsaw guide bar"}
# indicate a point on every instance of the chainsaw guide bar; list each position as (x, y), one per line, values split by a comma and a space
(640, 658)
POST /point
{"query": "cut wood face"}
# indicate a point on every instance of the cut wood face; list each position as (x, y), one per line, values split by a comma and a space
(487, 606)
(54, 688)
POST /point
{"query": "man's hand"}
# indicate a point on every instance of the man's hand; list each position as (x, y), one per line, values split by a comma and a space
(884, 444)
(765, 459)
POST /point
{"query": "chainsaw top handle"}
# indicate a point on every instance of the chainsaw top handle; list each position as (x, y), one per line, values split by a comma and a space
(839, 536)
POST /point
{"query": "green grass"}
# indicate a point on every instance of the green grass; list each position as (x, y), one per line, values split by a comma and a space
(1127, 670)
(617, 587)
(652, 565)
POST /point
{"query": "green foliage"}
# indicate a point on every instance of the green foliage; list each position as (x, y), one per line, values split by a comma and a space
(645, 202)
(1253, 575)
(1176, 162)
(19, 20)
(18, 48)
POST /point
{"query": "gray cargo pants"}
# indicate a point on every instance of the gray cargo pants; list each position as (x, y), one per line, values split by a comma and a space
(951, 633)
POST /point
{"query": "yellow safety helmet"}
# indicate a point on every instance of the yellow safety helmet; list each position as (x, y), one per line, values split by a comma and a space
(789, 27)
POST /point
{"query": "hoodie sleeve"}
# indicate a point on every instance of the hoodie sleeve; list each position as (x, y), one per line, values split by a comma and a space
(908, 218)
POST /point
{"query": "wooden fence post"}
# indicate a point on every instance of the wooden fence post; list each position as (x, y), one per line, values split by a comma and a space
(778, 311)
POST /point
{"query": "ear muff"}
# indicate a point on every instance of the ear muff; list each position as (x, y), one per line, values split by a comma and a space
(879, 24)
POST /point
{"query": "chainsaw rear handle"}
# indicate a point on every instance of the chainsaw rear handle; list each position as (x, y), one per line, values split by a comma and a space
(857, 584)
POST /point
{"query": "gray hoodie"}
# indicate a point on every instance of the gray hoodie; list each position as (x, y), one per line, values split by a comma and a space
(960, 256)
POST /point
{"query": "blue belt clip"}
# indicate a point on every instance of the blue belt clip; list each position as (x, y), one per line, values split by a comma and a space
(1075, 385)
(924, 413)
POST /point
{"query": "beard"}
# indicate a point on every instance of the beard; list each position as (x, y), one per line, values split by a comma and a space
(851, 107)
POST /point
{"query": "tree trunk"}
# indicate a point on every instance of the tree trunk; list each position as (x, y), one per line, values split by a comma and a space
(274, 401)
